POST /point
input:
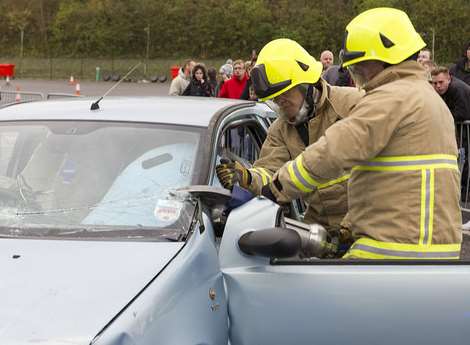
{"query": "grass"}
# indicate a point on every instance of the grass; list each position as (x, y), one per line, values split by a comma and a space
(85, 69)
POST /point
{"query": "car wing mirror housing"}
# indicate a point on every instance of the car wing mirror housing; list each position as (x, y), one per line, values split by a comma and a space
(272, 243)
(214, 201)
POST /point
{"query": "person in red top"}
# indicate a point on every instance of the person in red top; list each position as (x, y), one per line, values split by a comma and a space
(233, 87)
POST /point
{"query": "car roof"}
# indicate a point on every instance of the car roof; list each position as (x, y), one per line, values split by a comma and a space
(192, 111)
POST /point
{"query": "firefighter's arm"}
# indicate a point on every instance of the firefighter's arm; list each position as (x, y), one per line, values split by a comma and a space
(274, 153)
(346, 144)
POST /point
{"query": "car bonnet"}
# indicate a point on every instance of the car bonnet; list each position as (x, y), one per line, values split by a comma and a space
(65, 292)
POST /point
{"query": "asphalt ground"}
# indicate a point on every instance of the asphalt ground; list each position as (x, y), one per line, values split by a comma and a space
(87, 88)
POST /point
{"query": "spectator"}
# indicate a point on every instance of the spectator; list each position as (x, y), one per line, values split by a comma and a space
(429, 66)
(327, 59)
(248, 66)
(233, 87)
(337, 76)
(461, 69)
(181, 82)
(454, 92)
(212, 79)
(198, 86)
(331, 75)
(344, 78)
(424, 55)
(225, 73)
(248, 92)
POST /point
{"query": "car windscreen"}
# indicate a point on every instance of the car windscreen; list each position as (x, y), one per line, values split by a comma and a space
(99, 180)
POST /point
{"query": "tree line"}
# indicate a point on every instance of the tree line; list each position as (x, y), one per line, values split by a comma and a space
(209, 28)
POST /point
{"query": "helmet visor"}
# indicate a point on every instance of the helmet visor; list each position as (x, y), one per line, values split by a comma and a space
(346, 56)
(263, 87)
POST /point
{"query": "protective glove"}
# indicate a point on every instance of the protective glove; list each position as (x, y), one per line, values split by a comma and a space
(230, 173)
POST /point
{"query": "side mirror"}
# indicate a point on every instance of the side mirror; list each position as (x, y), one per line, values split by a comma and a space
(214, 201)
(274, 242)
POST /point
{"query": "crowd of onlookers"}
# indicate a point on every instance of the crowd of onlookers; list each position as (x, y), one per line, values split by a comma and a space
(232, 80)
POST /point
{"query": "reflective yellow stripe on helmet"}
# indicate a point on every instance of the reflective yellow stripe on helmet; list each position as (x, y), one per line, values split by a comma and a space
(370, 249)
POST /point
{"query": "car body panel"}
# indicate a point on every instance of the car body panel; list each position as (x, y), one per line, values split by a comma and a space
(177, 308)
(197, 292)
(60, 291)
(132, 294)
(334, 304)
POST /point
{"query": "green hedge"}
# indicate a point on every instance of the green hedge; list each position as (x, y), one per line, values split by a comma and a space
(207, 29)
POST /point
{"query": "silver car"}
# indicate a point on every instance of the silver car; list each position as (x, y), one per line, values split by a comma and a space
(104, 243)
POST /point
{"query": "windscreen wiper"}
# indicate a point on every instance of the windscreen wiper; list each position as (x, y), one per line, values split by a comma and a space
(128, 232)
(136, 233)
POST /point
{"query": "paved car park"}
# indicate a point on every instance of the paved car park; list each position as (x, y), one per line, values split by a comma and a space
(87, 88)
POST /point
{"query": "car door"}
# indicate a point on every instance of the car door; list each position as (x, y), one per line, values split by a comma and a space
(317, 301)
(241, 136)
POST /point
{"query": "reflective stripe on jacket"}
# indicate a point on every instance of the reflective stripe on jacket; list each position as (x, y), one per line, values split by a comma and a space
(283, 143)
(404, 189)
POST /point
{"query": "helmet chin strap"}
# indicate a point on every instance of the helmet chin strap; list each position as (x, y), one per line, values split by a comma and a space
(311, 100)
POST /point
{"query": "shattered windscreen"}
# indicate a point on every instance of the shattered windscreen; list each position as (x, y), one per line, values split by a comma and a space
(96, 179)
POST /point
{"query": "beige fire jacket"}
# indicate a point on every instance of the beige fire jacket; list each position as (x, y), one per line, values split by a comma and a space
(326, 206)
(404, 187)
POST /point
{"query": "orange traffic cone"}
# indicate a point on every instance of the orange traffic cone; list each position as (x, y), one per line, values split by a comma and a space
(18, 95)
(71, 80)
(77, 89)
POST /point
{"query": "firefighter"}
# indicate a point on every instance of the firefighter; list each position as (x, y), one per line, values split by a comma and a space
(399, 143)
(307, 106)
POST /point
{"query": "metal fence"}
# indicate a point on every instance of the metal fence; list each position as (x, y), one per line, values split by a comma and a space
(12, 97)
(463, 142)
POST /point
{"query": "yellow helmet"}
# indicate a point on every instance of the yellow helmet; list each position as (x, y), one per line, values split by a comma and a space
(384, 34)
(283, 64)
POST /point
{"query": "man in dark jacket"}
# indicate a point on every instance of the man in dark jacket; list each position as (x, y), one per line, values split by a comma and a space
(337, 76)
(454, 92)
(461, 69)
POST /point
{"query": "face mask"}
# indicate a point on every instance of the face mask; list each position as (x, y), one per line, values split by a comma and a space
(302, 115)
